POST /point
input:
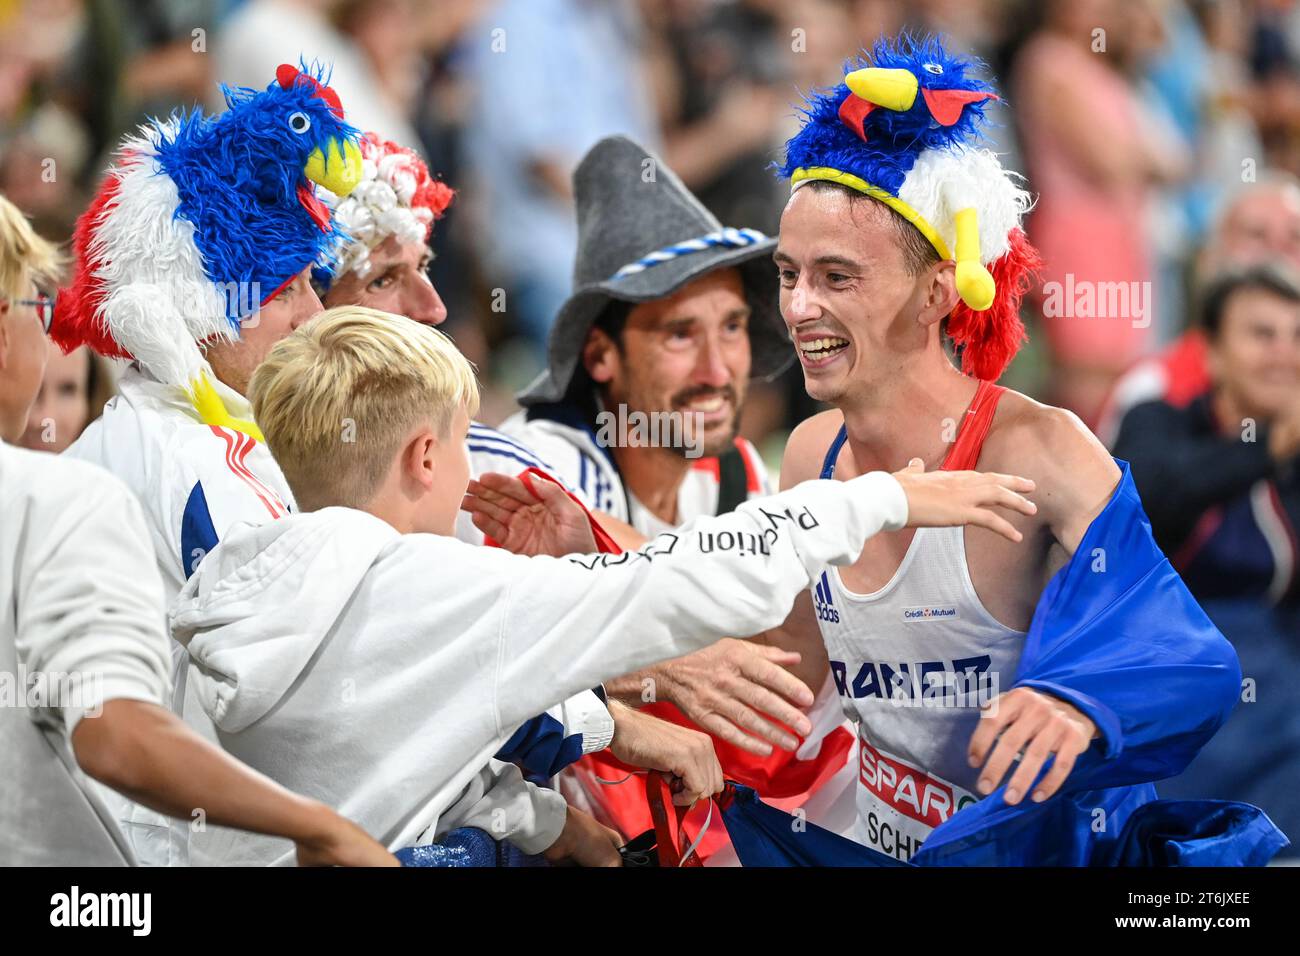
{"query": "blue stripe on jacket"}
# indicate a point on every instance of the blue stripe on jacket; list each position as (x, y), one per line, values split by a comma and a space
(483, 433)
(198, 535)
(503, 453)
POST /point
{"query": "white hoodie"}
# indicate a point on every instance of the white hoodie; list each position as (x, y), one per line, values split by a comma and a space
(78, 596)
(379, 672)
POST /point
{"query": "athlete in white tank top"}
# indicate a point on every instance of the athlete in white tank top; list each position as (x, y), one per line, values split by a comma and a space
(912, 663)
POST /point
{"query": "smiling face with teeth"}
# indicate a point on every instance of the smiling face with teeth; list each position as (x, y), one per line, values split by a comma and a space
(688, 353)
(857, 301)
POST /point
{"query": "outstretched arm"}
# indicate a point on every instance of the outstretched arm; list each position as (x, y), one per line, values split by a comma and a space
(542, 520)
(600, 615)
(725, 688)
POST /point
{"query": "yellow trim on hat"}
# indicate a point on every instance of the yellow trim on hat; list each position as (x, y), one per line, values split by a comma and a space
(875, 192)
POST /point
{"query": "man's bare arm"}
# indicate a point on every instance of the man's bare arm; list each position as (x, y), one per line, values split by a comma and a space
(1075, 478)
(1074, 473)
(152, 756)
(628, 538)
(800, 635)
(725, 688)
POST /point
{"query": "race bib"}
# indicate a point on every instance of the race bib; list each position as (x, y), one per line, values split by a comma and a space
(899, 804)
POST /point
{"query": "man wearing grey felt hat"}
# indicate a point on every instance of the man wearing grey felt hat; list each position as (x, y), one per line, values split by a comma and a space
(672, 315)
(648, 362)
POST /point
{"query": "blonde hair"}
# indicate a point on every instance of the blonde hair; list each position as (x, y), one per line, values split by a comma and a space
(336, 398)
(24, 256)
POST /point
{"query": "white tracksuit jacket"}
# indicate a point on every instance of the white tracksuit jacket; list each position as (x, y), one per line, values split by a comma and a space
(195, 483)
(434, 650)
(78, 595)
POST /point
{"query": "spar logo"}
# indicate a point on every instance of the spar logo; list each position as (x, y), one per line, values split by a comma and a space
(822, 602)
(907, 789)
(930, 613)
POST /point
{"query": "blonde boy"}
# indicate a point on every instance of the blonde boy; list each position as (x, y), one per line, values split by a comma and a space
(358, 652)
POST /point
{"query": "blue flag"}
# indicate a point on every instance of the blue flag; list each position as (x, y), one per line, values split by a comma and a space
(1158, 833)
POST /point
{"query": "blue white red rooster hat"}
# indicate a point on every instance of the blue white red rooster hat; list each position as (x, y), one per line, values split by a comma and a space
(203, 220)
(903, 128)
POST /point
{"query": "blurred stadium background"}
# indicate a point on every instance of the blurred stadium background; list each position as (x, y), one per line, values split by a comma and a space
(1189, 94)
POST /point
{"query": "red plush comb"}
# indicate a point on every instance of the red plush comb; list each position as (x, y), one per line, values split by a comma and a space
(287, 75)
(946, 105)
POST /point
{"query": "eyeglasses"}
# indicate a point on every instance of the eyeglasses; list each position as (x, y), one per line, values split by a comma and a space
(44, 306)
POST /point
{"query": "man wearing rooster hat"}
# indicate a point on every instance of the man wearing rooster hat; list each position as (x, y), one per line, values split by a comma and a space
(193, 260)
(1076, 651)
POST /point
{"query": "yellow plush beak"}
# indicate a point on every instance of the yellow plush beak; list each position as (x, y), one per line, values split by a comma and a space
(338, 170)
(893, 89)
(212, 410)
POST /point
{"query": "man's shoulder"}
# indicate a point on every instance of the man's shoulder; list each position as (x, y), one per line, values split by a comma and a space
(1029, 431)
(494, 449)
(537, 430)
(1074, 472)
(58, 480)
(572, 454)
(806, 449)
(136, 423)
(153, 448)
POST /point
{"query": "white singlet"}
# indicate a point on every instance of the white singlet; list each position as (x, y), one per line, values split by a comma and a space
(912, 663)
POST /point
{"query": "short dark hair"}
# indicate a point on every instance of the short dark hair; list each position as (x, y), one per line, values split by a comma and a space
(613, 320)
(918, 252)
(1266, 277)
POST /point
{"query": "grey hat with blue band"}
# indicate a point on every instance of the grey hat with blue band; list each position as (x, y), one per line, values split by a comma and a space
(643, 237)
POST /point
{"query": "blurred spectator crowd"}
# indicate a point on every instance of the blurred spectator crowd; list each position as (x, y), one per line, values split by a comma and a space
(1160, 137)
(1135, 120)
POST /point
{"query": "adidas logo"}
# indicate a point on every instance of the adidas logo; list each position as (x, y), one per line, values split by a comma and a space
(823, 603)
